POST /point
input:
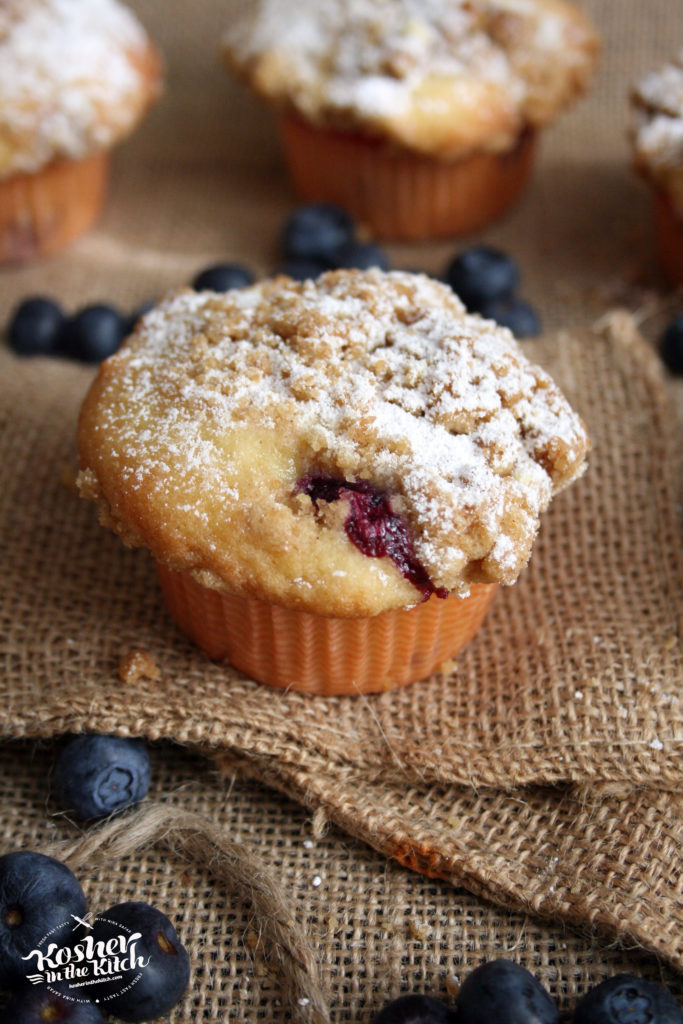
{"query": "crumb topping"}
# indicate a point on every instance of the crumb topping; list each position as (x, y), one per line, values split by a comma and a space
(195, 437)
(658, 129)
(74, 78)
(440, 77)
(138, 666)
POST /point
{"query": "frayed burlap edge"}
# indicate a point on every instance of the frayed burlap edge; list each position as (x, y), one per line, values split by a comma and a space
(591, 858)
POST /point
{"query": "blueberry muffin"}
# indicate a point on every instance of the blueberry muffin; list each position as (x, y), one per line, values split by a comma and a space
(419, 116)
(75, 78)
(344, 468)
(658, 144)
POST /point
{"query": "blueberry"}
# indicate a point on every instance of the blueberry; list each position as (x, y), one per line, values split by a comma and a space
(48, 1003)
(93, 333)
(151, 989)
(301, 269)
(415, 1009)
(96, 775)
(504, 992)
(671, 345)
(625, 999)
(317, 231)
(38, 894)
(371, 524)
(519, 316)
(35, 326)
(361, 256)
(222, 277)
(480, 274)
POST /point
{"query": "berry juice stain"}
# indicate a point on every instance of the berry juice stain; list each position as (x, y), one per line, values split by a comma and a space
(372, 526)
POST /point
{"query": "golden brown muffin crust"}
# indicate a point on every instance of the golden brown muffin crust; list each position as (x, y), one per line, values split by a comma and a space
(443, 77)
(196, 436)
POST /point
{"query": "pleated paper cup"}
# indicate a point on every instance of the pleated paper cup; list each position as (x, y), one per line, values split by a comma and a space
(43, 212)
(399, 194)
(669, 230)
(298, 650)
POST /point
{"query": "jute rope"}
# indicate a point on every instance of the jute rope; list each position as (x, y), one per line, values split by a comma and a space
(198, 842)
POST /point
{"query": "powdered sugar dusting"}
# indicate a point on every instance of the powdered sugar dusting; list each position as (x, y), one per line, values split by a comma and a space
(658, 130)
(70, 78)
(362, 376)
(407, 66)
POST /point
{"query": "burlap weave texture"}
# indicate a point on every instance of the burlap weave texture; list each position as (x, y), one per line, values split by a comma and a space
(376, 929)
(582, 855)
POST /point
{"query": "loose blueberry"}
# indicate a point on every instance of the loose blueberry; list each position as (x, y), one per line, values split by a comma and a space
(519, 316)
(671, 345)
(93, 333)
(301, 270)
(361, 256)
(504, 992)
(480, 274)
(415, 1009)
(317, 231)
(162, 972)
(35, 326)
(96, 775)
(41, 1004)
(222, 277)
(625, 999)
(38, 895)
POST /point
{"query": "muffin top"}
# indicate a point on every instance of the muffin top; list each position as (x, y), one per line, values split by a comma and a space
(75, 77)
(346, 445)
(443, 77)
(658, 130)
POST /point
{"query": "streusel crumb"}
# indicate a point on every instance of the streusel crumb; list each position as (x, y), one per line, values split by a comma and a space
(442, 77)
(138, 665)
(75, 78)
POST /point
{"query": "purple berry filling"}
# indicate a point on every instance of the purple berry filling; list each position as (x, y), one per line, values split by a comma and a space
(372, 526)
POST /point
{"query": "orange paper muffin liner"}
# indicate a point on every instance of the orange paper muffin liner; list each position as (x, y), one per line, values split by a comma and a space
(669, 229)
(298, 650)
(399, 194)
(43, 212)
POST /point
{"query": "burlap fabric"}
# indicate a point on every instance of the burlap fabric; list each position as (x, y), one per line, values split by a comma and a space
(543, 771)
(573, 677)
(375, 928)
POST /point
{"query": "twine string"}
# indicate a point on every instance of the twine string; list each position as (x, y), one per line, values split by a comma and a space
(198, 842)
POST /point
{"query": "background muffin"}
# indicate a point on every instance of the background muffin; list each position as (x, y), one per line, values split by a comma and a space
(658, 143)
(75, 78)
(419, 117)
(344, 449)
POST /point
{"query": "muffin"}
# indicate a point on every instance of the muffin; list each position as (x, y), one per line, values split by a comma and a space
(75, 78)
(332, 475)
(418, 116)
(658, 144)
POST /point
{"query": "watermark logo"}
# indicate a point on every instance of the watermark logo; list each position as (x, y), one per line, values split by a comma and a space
(106, 961)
